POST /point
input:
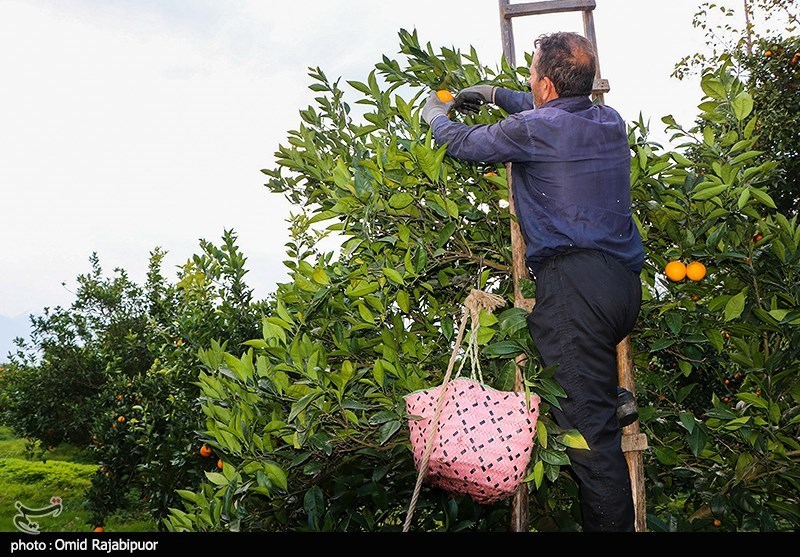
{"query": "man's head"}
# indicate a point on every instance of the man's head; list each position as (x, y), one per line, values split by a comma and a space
(563, 65)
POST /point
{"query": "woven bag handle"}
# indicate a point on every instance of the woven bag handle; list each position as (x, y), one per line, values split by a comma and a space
(476, 301)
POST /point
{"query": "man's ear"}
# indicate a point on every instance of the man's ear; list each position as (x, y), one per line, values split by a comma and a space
(549, 89)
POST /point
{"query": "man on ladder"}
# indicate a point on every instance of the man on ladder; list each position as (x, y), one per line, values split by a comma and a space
(570, 178)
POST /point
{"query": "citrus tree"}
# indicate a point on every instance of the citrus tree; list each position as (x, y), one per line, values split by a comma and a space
(310, 419)
(146, 439)
(759, 39)
(116, 373)
(718, 351)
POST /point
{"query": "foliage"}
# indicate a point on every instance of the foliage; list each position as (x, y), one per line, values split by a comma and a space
(773, 78)
(310, 419)
(54, 381)
(300, 397)
(719, 357)
(116, 372)
(765, 53)
(147, 436)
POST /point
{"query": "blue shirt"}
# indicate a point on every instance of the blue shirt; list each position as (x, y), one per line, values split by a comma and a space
(570, 173)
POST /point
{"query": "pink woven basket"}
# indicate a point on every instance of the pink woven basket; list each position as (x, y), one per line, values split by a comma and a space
(483, 441)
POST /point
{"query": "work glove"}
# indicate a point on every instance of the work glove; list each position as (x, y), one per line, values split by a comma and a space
(470, 100)
(435, 107)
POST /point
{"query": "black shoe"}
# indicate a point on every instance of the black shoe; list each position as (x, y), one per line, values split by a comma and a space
(627, 412)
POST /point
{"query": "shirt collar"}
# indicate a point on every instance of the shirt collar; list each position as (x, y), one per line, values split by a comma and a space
(569, 104)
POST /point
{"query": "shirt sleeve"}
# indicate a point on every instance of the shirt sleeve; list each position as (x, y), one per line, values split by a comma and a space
(513, 101)
(504, 141)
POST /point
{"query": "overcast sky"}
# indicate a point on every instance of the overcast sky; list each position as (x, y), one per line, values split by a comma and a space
(131, 124)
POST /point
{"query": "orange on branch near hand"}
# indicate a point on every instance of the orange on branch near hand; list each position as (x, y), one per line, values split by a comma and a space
(695, 271)
(675, 271)
(444, 95)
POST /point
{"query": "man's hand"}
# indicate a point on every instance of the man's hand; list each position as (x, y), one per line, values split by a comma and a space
(435, 107)
(471, 99)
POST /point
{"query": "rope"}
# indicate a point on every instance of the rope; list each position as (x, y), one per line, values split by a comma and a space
(473, 304)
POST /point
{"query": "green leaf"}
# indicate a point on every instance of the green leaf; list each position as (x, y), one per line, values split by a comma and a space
(742, 105)
(400, 201)
(744, 197)
(713, 87)
(735, 306)
(387, 430)
(361, 288)
(320, 276)
(314, 504)
(393, 275)
(276, 474)
(216, 478)
(377, 372)
(666, 455)
(746, 156)
(661, 343)
(697, 439)
(688, 421)
(503, 348)
(556, 458)
(302, 403)
(763, 197)
(541, 434)
(365, 313)
(538, 473)
(709, 192)
(403, 301)
(573, 439)
(753, 399)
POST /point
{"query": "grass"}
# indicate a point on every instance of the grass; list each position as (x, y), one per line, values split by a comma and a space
(31, 477)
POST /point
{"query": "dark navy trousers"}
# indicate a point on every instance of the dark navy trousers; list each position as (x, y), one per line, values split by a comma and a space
(586, 303)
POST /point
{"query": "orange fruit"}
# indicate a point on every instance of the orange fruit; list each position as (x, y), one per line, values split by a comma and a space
(675, 271)
(695, 271)
(444, 95)
(768, 53)
(205, 451)
(121, 419)
(219, 464)
(717, 522)
(99, 529)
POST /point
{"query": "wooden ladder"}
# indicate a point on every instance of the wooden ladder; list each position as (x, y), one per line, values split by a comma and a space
(633, 441)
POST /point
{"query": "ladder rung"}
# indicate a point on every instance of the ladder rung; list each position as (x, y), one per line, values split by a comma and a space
(547, 7)
(601, 86)
(635, 442)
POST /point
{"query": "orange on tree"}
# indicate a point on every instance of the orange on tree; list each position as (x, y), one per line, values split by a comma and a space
(205, 450)
(444, 95)
(675, 271)
(121, 419)
(99, 529)
(219, 464)
(695, 271)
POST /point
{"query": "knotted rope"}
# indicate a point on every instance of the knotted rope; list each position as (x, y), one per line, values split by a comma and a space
(473, 304)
